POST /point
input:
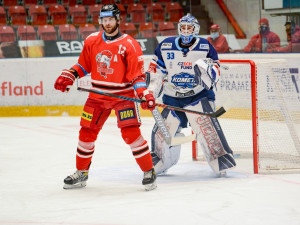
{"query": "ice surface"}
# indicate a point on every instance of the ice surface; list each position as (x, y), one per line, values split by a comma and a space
(37, 153)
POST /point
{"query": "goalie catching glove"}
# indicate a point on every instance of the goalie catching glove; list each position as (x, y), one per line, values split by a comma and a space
(205, 74)
(65, 80)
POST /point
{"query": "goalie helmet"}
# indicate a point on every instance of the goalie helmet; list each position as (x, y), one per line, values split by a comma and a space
(186, 34)
(109, 10)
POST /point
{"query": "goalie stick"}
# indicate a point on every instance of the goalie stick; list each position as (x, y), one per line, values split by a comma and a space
(217, 113)
(166, 133)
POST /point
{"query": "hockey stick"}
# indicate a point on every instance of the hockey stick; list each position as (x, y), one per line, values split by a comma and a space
(217, 113)
(160, 122)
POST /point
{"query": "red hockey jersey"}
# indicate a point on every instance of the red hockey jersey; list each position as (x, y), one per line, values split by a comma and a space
(113, 65)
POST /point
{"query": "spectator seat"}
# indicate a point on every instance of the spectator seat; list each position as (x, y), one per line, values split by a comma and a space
(86, 29)
(137, 13)
(67, 32)
(167, 29)
(48, 3)
(94, 11)
(7, 3)
(128, 28)
(17, 15)
(7, 34)
(38, 15)
(47, 33)
(88, 2)
(78, 14)
(58, 14)
(26, 32)
(148, 30)
(2, 16)
(174, 11)
(156, 11)
(28, 3)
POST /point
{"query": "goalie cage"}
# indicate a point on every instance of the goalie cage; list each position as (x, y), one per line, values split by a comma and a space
(262, 121)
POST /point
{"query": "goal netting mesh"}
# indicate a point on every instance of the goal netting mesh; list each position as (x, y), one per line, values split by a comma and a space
(262, 121)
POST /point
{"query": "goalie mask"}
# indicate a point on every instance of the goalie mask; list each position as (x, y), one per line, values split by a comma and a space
(188, 28)
(109, 10)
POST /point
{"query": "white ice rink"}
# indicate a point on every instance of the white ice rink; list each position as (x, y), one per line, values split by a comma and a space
(36, 154)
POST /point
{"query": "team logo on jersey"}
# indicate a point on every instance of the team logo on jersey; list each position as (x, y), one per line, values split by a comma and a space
(204, 46)
(166, 45)
(185, 65)
(103, 60)
(184, 80)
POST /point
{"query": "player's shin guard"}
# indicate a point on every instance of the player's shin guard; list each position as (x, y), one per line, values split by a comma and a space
(211, 137)
(85, 152)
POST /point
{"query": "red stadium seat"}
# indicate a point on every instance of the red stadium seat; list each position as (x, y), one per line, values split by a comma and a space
(86, 29)
(156, 11)
(174, 11)
(123, 13)
(148, 30)
(17, 14)
(67, 32)
(48, 3)
(127, 1)
(58, 14)
(167, 29)
(137, 13)
(128, 28)
(88, 2)
(78, 14)
(38, 14)
(145, 1)
(10, 2)
(2, 16)
(26, 32)
(94, 11)
(107, 1)
(47, 32)
(7, 34)
(28, 3)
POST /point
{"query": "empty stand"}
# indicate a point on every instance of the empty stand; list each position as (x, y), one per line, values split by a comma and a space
(47, 33)
(17, 15)
(67, 32)
(88, 2)
(174, 11)
(78, 14)
(38, 15)
(137, 13)
(10, 2)
(58, 14)
(156, 12)
(48, 3)
(68, 3)
(127, 1)
(128, 28)
(94, 11)
(28, 3)
(167, 29)
(148, 30)
(123, 13)
(7, 34)
(2, 16)
(26, 32)
(86, 29)
(145, 1)
(107, 1)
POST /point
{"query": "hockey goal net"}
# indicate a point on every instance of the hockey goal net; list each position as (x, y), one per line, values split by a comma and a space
(262, 122)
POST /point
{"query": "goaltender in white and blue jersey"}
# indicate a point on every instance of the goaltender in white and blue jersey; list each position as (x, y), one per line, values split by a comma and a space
(185, 69)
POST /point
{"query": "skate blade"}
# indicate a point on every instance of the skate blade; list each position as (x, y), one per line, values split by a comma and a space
(150, 187)
(75, 186)
(221, 174)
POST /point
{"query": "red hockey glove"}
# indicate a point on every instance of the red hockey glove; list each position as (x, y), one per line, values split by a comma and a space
(64, 81)
(149, 100)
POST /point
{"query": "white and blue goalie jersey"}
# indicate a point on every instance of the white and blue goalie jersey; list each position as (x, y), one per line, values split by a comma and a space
(175, 65)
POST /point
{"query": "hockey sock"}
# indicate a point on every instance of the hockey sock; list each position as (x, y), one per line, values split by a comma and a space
(85, 151)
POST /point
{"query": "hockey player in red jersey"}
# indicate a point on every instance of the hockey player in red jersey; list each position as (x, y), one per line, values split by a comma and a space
(115, 61)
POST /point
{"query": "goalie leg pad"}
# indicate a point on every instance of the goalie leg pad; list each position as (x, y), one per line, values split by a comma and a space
(163, 155)
(211, 137)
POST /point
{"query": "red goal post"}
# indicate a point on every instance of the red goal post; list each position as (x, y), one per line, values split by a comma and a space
(270, 101)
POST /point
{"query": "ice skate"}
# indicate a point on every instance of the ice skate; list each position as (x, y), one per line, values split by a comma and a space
(76, 180)
(149, 180)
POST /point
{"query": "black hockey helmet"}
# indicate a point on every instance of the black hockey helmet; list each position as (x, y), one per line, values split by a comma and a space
(109, 10)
